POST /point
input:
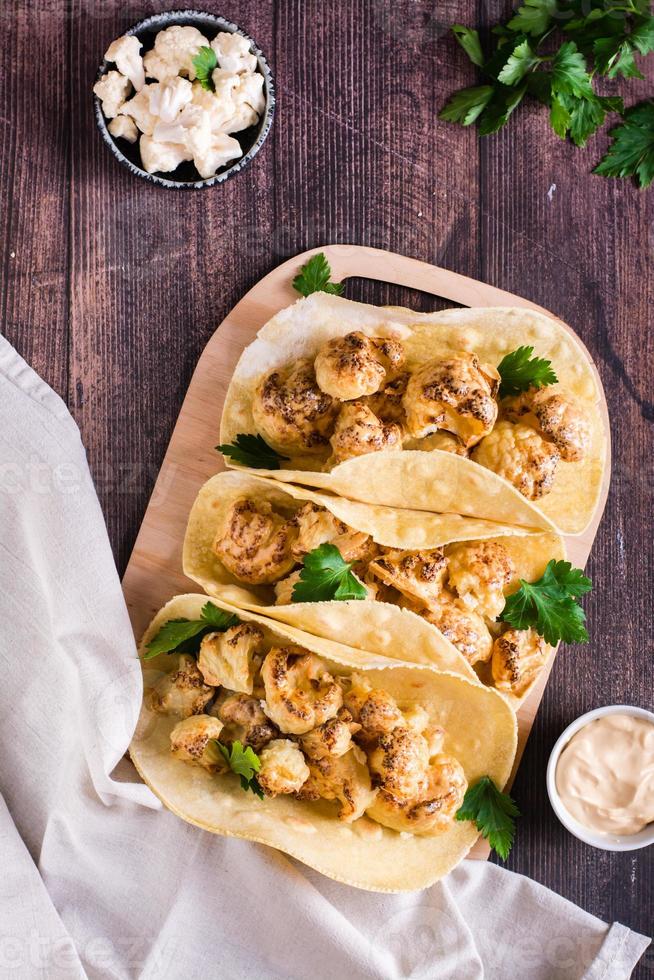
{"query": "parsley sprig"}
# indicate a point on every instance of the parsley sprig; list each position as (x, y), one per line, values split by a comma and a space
(326, 576)
(314, 277)
(550, 605)
(205, 63)
(245, 763)
(551, 50)
(185, 635)
(493, 812)
(520, 370)
(252, 451)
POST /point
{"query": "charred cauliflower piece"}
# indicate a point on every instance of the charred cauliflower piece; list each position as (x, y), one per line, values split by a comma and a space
(300, 692)
(433, 810)
(358, 431)
(226, 659)
(255, 544)
(463, 627)
(399, 763)
(444, 441)
(291, 411)
(283, 768)
(478, 572)
(284, 589)
(518, 657)
(333, 737)
(244, 721)
(355, 365)
(418, 575)
(555, 417)
(454, 392)
(521, 456)
(344, 778)
(387, 402)
(316, 526)
(183, 692)
(192, 740)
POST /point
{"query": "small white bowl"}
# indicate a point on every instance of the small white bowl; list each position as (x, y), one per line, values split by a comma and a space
(607, 842)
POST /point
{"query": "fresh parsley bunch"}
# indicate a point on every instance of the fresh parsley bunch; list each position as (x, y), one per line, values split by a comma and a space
(551, 50)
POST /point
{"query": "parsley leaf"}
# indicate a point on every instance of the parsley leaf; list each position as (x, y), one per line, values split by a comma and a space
(469, 41)
(245, 763)
(493, 812)
(185, 635)
(252, 451)
(500, 107)
(314, 277)
(548, 605)
(533, 17)
(467, 105)
(569, 74)
(326, 576)
(205, 63)
(631, 153)
(520, 371)
(521, 60)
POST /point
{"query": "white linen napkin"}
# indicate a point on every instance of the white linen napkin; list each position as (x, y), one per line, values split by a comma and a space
(97, 880)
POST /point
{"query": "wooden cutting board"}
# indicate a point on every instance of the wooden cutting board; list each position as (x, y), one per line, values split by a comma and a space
(154, 572)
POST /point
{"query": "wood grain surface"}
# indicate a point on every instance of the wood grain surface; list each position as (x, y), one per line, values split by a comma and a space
(111, 287)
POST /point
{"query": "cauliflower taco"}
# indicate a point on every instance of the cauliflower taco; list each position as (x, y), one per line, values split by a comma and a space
(354, 764)
(499, 408)
(427, 588)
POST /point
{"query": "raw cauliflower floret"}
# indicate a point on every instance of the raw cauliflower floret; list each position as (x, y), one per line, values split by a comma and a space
(220, 110)
(139, 109)
(174, 51)
(518, 453)
(248, 103)
(233, 52)
(112, 90)
(283, 768)
(167, 99)
(216, 154)
(162, 157)
(125, 54)
(124, 127)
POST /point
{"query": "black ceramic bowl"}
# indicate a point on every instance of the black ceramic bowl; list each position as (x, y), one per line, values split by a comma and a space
(251, 140)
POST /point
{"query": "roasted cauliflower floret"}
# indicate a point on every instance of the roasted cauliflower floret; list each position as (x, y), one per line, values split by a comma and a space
(316, 526)
(478, 572)
(433, 810)
(254, 543)
(300, 692)
(192, 740)
(444, 441)
(358, 432)
(333, 737)
(291, 412)
(375, 710)
(556, 417)
(518, 657)
(521, 456)
(226, 659)
(453, 392)
(355, 365)
(418, 575)
(463, 627)
(387, 402)
(283, 768)
(182, 692)
(399, 763)
(244, 721)
(345, 778)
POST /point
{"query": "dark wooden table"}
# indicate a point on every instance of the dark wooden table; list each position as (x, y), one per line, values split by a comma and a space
(111, 288)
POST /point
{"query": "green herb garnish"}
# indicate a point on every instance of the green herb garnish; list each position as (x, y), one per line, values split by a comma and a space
(314, 277)
(185, 635)
(549, 605)
(493, 813)
(631, 153)
(252, 451)
(245, 763)
(326, 576)
(205, 63)
(520, 371)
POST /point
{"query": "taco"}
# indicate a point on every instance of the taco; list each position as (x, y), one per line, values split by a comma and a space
(336, 392)
(354, 764)
(424, 588)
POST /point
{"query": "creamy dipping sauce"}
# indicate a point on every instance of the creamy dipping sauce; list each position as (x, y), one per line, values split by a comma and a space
(605, 774)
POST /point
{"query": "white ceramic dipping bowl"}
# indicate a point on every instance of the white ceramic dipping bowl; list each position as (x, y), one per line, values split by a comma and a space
(607, 842)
